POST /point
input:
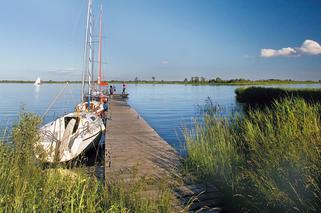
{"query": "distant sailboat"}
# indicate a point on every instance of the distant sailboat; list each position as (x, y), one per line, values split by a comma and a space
(37, 82)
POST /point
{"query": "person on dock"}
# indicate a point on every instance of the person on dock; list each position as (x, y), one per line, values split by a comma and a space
(111, 91)
(103, 111)
(124, 88)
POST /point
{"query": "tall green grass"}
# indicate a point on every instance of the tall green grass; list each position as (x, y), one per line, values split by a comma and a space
(26, 185)
(269, 160)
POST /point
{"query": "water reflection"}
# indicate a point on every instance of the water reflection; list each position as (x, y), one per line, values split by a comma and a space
(36, 93)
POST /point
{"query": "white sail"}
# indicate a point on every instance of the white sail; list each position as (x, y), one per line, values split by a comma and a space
(37, 82)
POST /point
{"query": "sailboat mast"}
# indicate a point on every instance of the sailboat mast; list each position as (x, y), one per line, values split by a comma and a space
(91, 52)
(85, 71)
(100, 47)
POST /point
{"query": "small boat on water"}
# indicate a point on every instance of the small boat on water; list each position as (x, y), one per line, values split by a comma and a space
(37, 82)
(120, 96)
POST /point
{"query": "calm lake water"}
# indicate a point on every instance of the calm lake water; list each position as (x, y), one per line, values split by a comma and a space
(167, 108)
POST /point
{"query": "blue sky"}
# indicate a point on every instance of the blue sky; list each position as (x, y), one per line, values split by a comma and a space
(168, 39)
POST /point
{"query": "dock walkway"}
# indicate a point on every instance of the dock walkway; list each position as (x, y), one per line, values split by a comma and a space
(131, 144)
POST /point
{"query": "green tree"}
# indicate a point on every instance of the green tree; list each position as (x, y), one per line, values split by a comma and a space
(218, 80)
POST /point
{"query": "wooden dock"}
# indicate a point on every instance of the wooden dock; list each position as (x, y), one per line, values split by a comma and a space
(131, 144)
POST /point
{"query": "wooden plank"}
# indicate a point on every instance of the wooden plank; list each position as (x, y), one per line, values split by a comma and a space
(132, 144)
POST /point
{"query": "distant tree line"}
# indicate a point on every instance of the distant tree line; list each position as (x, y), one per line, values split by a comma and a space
(193, 80)
(197, 79)
(218, 80)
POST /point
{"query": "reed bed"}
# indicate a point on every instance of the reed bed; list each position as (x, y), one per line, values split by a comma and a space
(267, 95)
(265, 161)
(27, 185)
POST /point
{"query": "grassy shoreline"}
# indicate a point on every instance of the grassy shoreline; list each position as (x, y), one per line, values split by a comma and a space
(265, 161)
(260, 96)
(27, 185)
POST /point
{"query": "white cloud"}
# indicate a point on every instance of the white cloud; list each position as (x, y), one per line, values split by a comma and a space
(164, 62)
(63, 71)
(309, 47)
(288, 51)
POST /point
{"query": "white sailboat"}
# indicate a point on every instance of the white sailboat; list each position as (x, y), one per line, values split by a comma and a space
(37, 82)
(69, 136)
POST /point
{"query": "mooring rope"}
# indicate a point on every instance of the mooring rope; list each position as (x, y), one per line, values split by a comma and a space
(53, 102)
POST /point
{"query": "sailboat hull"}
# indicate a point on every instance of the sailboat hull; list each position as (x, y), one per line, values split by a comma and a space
(69, 136)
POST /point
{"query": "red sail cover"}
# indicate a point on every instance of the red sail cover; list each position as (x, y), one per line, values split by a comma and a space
(103, 83)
